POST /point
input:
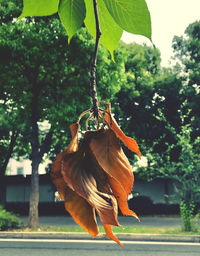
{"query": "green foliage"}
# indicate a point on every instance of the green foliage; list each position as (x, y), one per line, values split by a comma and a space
(134, 102)
(72, 14)
(131, 15)
(9, 220)
(151, 91)
(42, 8)
(183, 169)
(187, 214)
(115, 16)
(9, 125)
(59, 76)
(9, 10)
(187, 55)
(187, 51)
(108, 25)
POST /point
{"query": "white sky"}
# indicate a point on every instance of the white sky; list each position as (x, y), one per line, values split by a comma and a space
(169, 18)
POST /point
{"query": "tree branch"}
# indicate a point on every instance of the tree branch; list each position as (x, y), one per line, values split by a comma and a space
(93, 64)
(9, 153)
(46, 143)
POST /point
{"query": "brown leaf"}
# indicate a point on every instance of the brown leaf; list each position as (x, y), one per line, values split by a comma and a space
(121, 197)
(110, 156)
(56, 166)
(74, 129)
(81, 211)
(109, 233)
(84, 176)
(95, 176)
(128, 141)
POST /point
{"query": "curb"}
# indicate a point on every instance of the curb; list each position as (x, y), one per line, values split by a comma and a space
(85, 236)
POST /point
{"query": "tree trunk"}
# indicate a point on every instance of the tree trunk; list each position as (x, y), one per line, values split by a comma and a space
(2, 190)
(35, 158)
(38, 151)
(34, 196)
(37, 154)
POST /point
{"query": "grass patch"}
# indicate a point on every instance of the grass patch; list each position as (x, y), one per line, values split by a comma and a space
(126, 229)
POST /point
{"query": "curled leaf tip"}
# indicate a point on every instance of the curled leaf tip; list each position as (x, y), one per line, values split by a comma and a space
(109, 233)
(136, 217)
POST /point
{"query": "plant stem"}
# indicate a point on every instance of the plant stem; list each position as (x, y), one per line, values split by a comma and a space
(94, 62)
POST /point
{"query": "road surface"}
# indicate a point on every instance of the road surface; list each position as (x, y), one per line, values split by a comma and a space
(35, 247)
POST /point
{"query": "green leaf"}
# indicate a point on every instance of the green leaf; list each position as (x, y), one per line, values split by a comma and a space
(111, 32)
(39, 8)
(72, 14)
(131, 15)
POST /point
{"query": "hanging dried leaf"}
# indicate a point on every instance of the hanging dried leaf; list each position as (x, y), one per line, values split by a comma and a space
(56, 166)
(111, 158)
(83, 175)
(96, 176)
(73, 202)
(121, 197)
(109, 154)
(128, 141)
(81, 211)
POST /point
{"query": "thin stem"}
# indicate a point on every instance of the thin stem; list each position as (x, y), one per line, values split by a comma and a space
(94, 62)
(82, 114)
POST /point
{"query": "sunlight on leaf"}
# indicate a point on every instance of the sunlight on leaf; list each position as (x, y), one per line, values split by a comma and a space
(114, 16)
(39, 7)
(111, 32)
(72, 15)
(131, 15)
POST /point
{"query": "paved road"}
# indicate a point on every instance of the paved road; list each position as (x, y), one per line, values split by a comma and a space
(155, 221)
(20, 247)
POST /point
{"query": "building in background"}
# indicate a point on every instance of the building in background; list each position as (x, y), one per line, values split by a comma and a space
(23, 167)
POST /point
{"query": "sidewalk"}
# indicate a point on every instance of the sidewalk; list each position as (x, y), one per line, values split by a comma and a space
(147, 221)
(86, 236)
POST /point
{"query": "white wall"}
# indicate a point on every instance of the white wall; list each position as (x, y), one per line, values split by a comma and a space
(14, 166)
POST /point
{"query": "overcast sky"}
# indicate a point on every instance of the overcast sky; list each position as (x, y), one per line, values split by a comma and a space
(169, 18)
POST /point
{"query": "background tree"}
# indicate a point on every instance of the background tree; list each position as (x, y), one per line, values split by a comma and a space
(45, 83)
(8, 135)
(175, 151)
(187, 51)
(152, 107)
(184, 171)
(148, 88)
(187, 55)
(9, 120)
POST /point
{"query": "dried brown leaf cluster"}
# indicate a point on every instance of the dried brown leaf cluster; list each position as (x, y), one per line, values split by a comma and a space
(96, 176)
